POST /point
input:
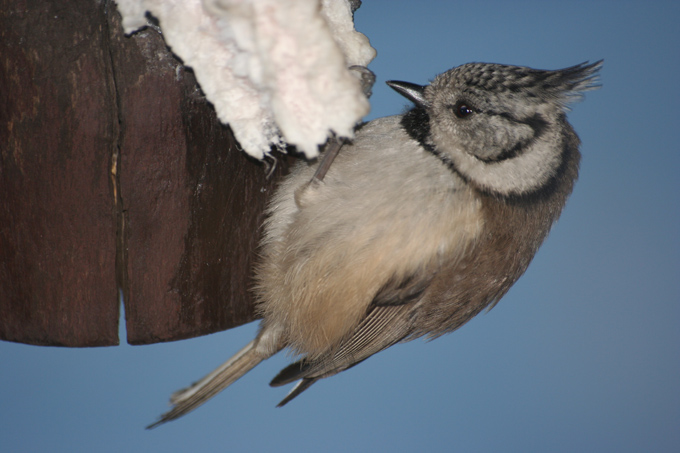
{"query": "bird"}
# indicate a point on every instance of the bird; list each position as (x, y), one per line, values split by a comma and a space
(423, 220)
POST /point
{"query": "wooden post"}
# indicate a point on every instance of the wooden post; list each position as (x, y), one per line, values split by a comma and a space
(115, 175)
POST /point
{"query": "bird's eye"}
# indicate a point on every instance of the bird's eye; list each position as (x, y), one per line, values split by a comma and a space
(463, 110)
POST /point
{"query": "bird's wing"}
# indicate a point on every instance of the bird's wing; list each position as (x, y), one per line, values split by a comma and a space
(380, 329)
(388, 321)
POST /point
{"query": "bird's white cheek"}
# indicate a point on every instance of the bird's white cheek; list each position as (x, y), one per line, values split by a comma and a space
(493, 136)
(524, 173)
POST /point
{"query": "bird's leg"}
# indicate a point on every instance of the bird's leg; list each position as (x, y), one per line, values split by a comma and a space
(367, 79)
(307, 192)
(332, 148)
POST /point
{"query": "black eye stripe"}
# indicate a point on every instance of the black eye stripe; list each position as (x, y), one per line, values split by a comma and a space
(535, 122)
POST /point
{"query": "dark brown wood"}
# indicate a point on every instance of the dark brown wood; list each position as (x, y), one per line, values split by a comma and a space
(193, 202)
(57, 130)
(115, 173)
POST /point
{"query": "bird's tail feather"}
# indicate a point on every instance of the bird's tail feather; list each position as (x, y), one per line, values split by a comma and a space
(190, 398)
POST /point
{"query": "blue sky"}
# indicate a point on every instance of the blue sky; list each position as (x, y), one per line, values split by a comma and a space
(583, 354)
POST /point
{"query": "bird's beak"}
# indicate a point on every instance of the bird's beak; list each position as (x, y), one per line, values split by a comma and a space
(411, 91)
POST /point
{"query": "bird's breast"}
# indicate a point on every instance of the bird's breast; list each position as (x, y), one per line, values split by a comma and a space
(381, 213)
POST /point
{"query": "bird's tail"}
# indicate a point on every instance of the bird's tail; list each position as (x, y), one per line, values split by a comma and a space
(190, 398)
